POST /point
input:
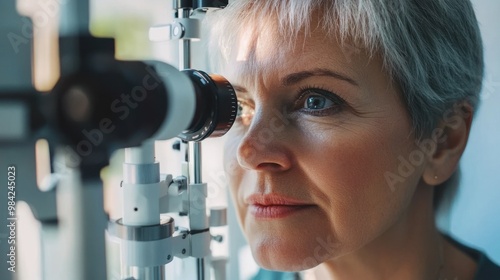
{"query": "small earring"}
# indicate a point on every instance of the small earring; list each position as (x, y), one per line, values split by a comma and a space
(435, 177)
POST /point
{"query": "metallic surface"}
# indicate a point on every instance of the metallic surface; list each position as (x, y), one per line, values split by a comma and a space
(142, 233)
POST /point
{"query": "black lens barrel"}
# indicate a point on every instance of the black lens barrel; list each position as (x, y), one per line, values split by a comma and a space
(216, 106)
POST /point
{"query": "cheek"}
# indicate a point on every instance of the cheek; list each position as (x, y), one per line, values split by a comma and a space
(234, 171)
(231, 167)
(230, 160)
(347, 169)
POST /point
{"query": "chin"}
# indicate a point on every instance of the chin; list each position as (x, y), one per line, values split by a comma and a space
(276, 253)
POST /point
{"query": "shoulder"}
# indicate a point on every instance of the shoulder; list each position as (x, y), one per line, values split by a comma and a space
(486, 268)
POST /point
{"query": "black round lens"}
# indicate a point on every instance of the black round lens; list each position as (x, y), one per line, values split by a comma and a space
(216, 106)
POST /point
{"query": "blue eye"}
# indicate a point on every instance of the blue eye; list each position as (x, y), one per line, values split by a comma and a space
(319, 102)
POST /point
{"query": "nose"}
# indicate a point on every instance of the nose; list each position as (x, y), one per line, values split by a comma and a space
(264, 147)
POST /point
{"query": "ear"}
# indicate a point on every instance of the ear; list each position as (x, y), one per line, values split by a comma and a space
(451, 138)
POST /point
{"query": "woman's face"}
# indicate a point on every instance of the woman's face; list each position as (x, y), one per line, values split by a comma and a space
(308, 170)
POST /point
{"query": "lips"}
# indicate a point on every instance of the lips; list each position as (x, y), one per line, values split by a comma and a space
(273, 206)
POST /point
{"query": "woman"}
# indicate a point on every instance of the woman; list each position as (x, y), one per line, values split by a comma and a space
(353, 117)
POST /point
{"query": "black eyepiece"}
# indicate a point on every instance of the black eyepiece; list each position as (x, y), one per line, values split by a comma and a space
(216, 106)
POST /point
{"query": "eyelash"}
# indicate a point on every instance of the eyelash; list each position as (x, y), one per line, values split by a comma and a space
(306, 91)
(245, 112)
(303, 93)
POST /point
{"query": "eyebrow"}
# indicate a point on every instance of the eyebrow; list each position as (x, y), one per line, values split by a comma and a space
(297, 77)
(294, 78)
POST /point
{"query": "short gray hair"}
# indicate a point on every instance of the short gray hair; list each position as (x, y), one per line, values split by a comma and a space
(432, 49)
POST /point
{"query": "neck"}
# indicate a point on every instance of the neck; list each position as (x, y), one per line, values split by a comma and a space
(410, 249)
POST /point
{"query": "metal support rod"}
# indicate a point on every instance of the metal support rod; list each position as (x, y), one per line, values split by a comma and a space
(197, 162)
(16, 34)
(74, 17)
(185, 63)
(200, 263)
(194, 148)
(184, 45)
(94, 224)
(81, 229)
(73, 23)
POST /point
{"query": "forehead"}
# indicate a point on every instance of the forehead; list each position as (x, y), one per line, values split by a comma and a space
(267, 55)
